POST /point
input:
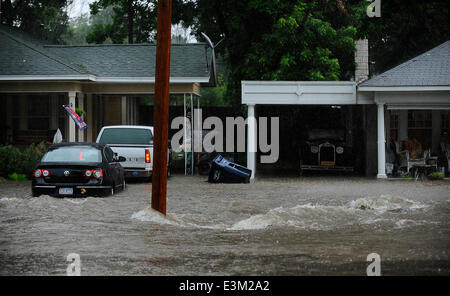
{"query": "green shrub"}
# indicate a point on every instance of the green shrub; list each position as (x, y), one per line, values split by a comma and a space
(10, 160)
(436, 176)
(30, 158)
(13, 161)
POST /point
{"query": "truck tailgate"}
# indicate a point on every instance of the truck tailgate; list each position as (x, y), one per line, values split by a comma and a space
(135, 155)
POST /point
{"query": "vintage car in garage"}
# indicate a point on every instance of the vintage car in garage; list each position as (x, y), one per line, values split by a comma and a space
(325, 149)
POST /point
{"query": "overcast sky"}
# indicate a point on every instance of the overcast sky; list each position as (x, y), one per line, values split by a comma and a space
(78, 7)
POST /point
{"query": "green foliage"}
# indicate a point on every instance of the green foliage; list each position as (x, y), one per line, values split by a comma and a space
(436, 176)
(215, 96)
(45, 19)
(12, 160)
(279, 40)
(79, 111)
(17, 177)
(404, 30)
(135, 21)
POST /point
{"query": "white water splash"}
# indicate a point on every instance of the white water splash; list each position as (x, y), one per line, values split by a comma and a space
(362, 211)
(150, 215)
(386, 203)
(8, 199)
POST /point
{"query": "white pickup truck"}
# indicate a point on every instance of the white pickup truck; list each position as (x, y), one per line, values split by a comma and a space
(135, 143)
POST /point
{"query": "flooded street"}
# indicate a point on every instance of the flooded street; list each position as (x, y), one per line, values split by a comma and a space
(275, 226)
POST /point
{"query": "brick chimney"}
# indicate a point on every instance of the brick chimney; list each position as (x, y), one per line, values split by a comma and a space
(362, 60)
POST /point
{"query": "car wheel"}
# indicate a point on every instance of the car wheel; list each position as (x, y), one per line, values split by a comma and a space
(216, 175)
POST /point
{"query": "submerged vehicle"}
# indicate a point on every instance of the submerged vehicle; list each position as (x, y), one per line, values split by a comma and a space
(135, 143)
(325, 149)
(78, 169)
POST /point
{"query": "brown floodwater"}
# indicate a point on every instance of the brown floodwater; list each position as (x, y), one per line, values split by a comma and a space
(275, 226)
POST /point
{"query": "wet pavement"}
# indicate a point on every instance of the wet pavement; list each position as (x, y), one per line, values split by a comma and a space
(275, 226)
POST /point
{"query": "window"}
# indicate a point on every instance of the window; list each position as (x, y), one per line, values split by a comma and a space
(109, 154)
(420, 126)
(77, 154)
(138, 136)
(38, 108)
(445, 121)
(393, 124)
(419, 119)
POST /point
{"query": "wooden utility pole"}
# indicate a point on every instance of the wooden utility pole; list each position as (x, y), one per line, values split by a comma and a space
(161, 108)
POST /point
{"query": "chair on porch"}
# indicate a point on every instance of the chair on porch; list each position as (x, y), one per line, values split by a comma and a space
(445, 147)
(406, 161)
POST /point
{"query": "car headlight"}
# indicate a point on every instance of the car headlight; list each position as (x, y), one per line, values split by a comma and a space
(340, 150)
(314, 149)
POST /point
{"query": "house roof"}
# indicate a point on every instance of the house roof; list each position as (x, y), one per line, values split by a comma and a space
(23, 55)
(431, 68)
(136, 60)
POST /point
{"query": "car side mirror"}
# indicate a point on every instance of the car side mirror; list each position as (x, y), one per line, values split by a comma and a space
(122, 159)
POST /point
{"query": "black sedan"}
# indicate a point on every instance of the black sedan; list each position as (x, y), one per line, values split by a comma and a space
(77, 170)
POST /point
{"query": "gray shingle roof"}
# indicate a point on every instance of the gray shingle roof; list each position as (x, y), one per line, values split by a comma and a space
(136, 60)
(20, 55)
(429, 69)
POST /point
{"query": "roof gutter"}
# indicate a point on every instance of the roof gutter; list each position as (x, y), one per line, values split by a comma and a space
(403, 88)
(93, 78)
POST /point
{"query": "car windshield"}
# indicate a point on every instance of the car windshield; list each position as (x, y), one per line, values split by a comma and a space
(126, 136)
(73, 154)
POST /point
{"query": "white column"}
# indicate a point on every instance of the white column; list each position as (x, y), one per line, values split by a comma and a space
(436, 131)
(192, 135)
(89, 118)
(251, 140)
(123, 108)
(81, 106)
(381, 142)
(402, 125)
(71, 131)
(387, 127)
(185, 134)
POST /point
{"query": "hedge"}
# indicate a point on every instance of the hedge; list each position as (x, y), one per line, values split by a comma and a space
(12, 160)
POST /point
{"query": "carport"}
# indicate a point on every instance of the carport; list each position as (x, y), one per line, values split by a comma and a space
(328, 93)
(421, 84)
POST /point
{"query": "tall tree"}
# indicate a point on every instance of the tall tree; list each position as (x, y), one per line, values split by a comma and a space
(405, 29)
(279, 40)
(134, 21)
(46, 19)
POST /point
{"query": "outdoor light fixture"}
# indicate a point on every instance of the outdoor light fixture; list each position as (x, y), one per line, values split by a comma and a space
(340, 150)
(314, 149)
